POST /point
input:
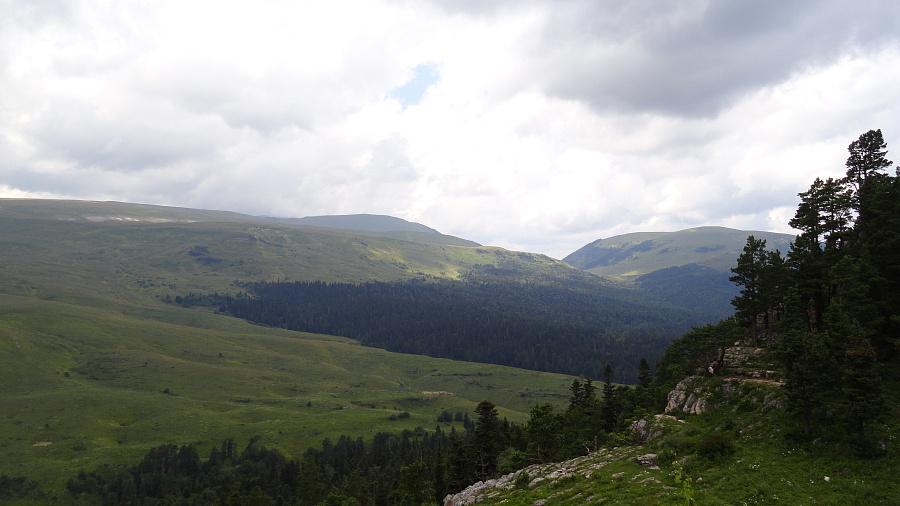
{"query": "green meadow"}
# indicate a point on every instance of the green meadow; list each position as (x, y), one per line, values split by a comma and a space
(97, 365)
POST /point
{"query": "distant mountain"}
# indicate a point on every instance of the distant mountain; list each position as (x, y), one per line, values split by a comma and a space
(379, 225)
(98, 212)
(367, 222)
(689, 268)
(626, 257)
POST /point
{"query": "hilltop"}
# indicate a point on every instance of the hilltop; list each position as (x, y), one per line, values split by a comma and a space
(629, 256)
(689, 268)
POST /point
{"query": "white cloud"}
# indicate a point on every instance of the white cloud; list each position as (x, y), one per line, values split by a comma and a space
(551, 124)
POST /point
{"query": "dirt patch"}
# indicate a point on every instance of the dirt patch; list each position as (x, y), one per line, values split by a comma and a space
(761, 381)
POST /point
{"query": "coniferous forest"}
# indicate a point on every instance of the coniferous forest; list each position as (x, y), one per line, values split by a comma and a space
(486, 318)
(828, 309)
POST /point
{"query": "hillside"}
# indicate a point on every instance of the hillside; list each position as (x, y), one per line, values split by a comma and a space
(688, 269)
(628, 256)
(733, 453)
(96, 368)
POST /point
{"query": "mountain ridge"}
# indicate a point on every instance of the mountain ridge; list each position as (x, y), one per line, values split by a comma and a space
(628, 256)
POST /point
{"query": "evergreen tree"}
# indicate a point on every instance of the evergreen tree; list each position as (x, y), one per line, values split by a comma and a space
(487, 440)
(645, 374)
(544, 434)
(868, 156)
(747, 274)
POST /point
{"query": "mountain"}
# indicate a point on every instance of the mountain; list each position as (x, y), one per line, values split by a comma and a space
(99, 365)
(362, 222)
(626, 257)
(689, 268)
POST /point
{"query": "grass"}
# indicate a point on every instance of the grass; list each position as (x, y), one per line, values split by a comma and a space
(763, 466)
(85, 386)
(97, 368)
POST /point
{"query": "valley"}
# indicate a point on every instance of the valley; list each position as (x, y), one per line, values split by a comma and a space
(137, 340)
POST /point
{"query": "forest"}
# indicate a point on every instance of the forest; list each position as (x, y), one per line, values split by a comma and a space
(486, 317)
(413, 467)
(828, 310)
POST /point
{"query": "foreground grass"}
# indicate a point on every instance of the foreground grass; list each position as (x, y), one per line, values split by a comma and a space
(756, 462)
(85, 386)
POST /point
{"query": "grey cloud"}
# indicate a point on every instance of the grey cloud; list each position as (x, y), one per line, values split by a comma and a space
(390, 162)
(687, 59)
(132, 138)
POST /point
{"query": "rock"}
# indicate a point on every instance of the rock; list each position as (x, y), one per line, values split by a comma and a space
(676, 398)
(648, 460)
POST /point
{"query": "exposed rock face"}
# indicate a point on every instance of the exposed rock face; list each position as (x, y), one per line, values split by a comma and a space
(694, 395)
(647, 430)
(749, 362)
(648, 460)
(684, 399)
(585, 466)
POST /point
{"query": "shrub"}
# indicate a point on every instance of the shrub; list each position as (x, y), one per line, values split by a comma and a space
(715, 446)
(522, 480)
(665, 457)
(676, 443)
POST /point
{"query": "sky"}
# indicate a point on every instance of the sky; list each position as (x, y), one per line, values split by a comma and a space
(533, 125)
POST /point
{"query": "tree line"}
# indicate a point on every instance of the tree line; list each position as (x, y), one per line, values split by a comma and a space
(410, 468)
(544, 327)
(832, 303)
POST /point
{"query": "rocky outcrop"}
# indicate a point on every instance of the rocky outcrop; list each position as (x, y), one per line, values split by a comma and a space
(549, 474)
(698, 394)
(647, 460)
(749, 362)
(646, 431)
(686, 400)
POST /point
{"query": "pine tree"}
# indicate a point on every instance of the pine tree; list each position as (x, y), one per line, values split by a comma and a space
(487, 440)
(645, 374)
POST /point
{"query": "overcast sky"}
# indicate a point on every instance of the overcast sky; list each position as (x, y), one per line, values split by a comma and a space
(536, 125)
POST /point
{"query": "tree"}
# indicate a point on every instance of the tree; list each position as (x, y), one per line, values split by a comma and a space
(609, 412)
(645, 374)
(862, 388)
(416, 485)
(825, 213)
(868, 155)
(760, 273)
(544, 433)
(487, 440)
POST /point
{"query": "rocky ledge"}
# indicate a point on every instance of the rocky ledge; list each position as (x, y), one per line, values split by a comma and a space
(550, 474)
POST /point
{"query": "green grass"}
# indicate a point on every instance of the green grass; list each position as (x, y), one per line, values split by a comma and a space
(765, 466)
(97, 368)
(85, 386)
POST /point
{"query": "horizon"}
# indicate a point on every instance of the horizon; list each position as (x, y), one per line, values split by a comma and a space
(533, 126)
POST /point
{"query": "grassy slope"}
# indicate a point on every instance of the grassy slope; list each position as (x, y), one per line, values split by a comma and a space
(88, 346)
(628, 256)
(765, 467)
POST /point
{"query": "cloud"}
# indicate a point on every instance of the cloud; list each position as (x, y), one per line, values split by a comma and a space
(533, 125)
(693, 58)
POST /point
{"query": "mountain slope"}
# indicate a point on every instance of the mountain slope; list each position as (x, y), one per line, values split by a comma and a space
(734, 453)
(97, 368)
(687, 269)
(362, 222)
(625, 257)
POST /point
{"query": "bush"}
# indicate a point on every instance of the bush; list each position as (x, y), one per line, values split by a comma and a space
(676, 443)
(715, 446)
(522, 480)
(665, 457)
